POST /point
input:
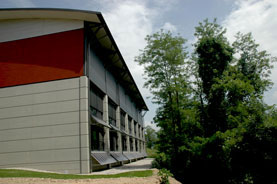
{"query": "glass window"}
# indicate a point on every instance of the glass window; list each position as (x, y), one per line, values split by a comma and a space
(136, 144)
(131, 144)
(122, 120)
(130, 125)
(97, 138)
(135, 128)
(96, 102)
(124, 143)
(113, 141)
(112, 113)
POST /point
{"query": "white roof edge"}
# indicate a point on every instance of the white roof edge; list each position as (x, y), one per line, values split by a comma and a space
(49, 13)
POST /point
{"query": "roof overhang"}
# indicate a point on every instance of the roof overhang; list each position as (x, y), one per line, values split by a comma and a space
(48, 13)
(104, 35)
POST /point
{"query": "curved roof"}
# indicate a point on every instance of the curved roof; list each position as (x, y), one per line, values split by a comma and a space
(104, 36)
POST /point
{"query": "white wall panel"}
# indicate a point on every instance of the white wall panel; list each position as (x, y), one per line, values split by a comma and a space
(42, 125)
(19, 29)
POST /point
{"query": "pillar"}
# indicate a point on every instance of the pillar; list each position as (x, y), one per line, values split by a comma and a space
(126, 130)
(119, 142)
(106, 119)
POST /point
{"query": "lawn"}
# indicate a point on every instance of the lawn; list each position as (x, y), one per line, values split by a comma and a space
(12, 173)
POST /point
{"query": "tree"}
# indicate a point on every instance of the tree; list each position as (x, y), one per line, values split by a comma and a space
(214, 126)
(213, 57)
(150, 137)
(236, 144)
(250, 138)
(164, 60)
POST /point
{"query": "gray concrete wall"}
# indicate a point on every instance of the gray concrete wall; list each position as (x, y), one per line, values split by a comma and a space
(45, 126)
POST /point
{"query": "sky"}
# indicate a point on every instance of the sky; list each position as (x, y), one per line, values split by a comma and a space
(131, 20)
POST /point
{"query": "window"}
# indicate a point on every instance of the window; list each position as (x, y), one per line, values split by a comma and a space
(124, 143)
(130, 125)
(131, 144)
(112, 113)
(135, 128)
(96, 102)
(136, 144)
(97, 138)
(122, 120)
(139, 131)
(113, 141)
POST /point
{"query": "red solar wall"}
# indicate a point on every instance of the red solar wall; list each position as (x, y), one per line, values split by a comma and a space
(43, 58)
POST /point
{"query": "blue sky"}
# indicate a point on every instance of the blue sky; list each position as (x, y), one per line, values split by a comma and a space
(131, 20)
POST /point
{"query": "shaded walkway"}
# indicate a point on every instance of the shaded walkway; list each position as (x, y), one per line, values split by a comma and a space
(143, 164)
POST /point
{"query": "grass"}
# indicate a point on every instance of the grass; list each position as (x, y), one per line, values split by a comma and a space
(12, 173)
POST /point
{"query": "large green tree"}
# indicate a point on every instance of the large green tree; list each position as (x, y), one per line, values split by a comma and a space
(164, 60)
(214, 124)
(233, 79)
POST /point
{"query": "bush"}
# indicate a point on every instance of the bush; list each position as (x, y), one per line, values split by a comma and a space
(152, 153)
(160, 161)
(164, 174)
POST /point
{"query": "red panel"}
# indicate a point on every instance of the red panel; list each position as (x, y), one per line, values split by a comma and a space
(43, 58)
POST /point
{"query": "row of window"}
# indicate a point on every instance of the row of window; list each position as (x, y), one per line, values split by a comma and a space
(98, 144)
(96, 107)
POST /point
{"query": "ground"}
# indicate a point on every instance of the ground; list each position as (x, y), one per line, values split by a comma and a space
(134, 166)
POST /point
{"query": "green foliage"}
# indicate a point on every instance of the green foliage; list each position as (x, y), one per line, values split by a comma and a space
(215, 126)
(13, 173)
(165, 61)
(151, 153)
(164, 175)
(161, 161)
(150, 137)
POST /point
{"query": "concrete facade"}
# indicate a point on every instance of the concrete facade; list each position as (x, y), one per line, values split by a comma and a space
(45, 126)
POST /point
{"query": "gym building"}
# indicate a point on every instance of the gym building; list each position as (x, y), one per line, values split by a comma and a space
(68, 102)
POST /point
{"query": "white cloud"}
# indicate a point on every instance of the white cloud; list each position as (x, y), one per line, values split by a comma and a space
(274, 95)
(170, 27)
(23, 3)
(130, 22)
(260, 18)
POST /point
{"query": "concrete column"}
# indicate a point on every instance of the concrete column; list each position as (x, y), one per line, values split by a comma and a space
(128, 143)
(137, 129)
(118, 117)
(126, 123)
(143, 136)
(105, 109)
(126, 130)
(119, 142)
(84, 127)
(133, 127)
(107, 139)
(106, 119)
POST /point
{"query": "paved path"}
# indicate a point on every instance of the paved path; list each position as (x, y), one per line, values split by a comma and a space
(143, 164)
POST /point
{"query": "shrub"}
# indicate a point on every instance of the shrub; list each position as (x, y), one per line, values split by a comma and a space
(164, 174)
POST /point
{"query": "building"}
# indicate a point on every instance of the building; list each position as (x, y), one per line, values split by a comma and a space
(68, 102)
